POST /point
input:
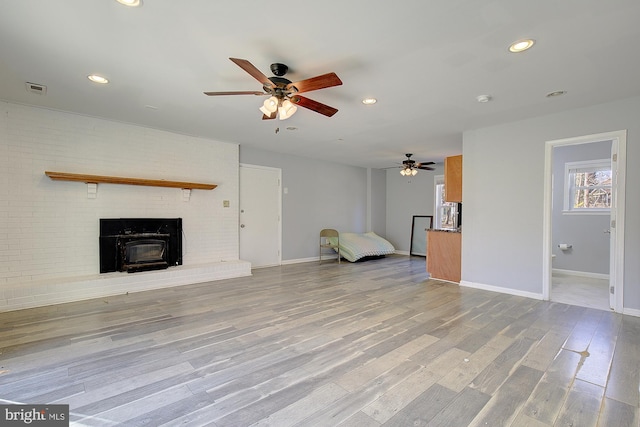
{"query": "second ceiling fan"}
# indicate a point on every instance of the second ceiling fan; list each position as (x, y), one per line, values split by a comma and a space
(410, 167)
(285, 97)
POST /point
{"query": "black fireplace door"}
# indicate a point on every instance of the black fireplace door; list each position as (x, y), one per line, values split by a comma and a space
(138, 254)
(140, 244)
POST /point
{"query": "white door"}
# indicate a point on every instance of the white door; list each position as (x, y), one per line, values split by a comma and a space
(612, 227)
(260, 206)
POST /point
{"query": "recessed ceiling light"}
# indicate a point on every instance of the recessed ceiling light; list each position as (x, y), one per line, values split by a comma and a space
(484, 98)
(130, 3)
(521, 45)
(369, 101)
(98, 79)
(556, 93)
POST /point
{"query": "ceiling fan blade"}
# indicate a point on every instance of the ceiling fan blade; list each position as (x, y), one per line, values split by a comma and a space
(423, 165)
(271, 117)
(427, 168)
(244, 92)
(315, 83)
(314, 105)
(253, 71)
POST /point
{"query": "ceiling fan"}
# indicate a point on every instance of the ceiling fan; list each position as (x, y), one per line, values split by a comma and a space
(410, 167)
(284, 97)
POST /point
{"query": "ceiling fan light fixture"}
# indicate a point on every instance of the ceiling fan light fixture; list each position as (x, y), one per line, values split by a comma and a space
(269, 106)
(408, 171)
(286, 110)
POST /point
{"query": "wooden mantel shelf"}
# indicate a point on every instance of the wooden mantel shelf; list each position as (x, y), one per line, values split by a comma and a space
(98, 179)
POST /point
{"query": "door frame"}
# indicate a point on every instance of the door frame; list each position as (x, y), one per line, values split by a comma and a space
(616, 266)
(278, 201)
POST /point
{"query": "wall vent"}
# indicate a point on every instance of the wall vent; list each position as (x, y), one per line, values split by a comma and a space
(36, 88)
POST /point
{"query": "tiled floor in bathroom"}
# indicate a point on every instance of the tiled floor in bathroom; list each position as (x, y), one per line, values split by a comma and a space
(579, 290)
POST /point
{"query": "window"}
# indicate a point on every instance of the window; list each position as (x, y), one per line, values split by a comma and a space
(446, 217)
(587, 186)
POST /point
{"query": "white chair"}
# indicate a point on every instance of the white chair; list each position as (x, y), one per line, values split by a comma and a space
(325, 244)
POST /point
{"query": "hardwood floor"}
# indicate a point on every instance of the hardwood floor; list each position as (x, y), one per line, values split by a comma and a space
(364, 344)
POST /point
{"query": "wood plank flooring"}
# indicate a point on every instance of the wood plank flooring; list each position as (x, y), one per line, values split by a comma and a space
(366, 344)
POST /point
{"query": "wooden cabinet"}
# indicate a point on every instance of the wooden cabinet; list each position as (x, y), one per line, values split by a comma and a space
(453, 179)
(443, 255)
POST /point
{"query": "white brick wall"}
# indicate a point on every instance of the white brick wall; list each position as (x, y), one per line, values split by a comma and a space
(49, 229)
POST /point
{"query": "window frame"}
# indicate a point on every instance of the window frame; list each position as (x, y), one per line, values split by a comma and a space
(438, 190)
(570, 168)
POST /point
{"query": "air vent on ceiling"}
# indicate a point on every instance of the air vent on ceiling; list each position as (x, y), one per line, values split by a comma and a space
(36, 88)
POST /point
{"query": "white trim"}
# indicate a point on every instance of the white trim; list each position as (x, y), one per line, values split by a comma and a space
(616, 273)
(631, 312)
(327, 257)
(437, 180)
(620, 208)
(310, 259)
(501, 290)
(562, 272)
(443, 280)
(594, 211)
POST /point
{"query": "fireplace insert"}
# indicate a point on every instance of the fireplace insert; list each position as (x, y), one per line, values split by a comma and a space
(140, 244)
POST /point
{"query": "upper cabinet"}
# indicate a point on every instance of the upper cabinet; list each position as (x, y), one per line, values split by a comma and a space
(453, 179)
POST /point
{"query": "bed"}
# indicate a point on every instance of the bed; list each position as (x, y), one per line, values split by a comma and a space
(355, 246)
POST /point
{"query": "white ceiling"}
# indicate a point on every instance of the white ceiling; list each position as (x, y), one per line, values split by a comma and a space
(425, 61)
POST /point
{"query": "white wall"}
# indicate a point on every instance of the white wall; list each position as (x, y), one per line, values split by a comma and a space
(590, 245)
(319, 195)
(407, 197)
(49, 229)
(503, 196)
(377, 201)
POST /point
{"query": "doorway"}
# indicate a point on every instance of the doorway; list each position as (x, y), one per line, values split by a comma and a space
(597, 282)
(260, 214)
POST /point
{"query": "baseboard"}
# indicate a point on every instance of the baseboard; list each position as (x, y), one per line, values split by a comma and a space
(631, 312)
(501, 290)
(580, 274)
(402, 253)
(311, 259)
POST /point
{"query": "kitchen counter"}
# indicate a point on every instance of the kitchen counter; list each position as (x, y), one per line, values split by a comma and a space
(443, 254)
